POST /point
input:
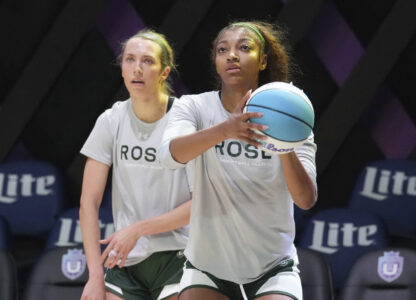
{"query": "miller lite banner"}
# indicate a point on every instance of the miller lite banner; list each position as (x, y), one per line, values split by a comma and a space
(342, 235)
(387, 188)
(67, 229)
(31, 196)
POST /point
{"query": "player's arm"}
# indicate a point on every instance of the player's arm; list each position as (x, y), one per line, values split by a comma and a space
(93, 185)
(299, 183)
(187, 147)
(123, 241)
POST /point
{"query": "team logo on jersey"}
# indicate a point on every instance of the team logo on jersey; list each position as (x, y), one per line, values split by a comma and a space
(390, 266)
(73, 264)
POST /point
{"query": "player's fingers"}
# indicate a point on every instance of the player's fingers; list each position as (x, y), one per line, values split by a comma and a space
(122, 261)
(256, 126)
(111, 256)
(116, 259)
(109, 261)
(107, 250)
(106, 240)
(104, 255)
(251, 141)
(251, 115)
(256, 135)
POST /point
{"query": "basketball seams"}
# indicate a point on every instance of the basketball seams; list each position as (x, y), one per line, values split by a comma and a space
(282, 112)
(283, 135)
(292, 89)
(280, 139)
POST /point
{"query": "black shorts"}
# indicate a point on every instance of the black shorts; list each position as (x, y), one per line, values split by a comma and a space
(157, 277)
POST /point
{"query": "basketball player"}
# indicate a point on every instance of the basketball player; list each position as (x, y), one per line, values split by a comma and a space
(242, 226)
(151, 205)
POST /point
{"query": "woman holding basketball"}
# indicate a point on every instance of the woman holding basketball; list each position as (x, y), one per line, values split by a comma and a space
(151, 205)
(242, 227)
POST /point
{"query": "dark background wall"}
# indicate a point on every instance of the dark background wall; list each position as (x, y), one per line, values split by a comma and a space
(357, 61)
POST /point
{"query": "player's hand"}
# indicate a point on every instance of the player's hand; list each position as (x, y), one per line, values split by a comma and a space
(238, 127)
(94, 289)
(120, 243)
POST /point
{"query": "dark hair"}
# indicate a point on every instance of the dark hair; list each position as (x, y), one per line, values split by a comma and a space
(167, 58)
(278, 60)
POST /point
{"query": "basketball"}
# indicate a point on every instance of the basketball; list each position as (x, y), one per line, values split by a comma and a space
(288, 113)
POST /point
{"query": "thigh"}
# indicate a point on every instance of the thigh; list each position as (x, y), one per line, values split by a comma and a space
(281, 286)
(200, 293)
(196, 284)
(111, 296)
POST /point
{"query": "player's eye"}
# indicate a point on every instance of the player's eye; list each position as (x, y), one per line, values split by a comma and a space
(245, 47)
(221, 49)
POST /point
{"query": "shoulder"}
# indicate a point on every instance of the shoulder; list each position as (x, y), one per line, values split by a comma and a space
(206, 96)
(118, 107)
(198, 100)
(116, 111)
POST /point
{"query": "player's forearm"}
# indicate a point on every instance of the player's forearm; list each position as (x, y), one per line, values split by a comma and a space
(88, 215)
(299, 183)
(174, 219)
(186, 148)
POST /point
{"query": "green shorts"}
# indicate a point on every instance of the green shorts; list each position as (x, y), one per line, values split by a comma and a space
(283, 280)
(157, 277)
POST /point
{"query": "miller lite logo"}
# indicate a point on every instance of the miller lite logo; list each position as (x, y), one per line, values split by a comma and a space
(70, 232)
(73, 264)
(380, 183)
(390, 266)
(329, 237)
(13, 186)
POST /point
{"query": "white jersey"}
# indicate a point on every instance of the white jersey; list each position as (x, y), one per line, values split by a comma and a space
(141, 187)
(242, 221)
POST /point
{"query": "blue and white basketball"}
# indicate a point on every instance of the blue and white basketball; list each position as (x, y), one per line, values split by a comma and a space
(287, 112)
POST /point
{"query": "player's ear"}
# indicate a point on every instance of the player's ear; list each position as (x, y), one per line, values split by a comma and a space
(263, 62)
(165, 73)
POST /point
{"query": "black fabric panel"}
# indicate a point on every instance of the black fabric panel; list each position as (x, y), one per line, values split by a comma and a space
(313, 78)
(47, 62)
(363, 82)
(23, 24)
(82, 92)
(403, 78)
(194, 61)
(364, 17)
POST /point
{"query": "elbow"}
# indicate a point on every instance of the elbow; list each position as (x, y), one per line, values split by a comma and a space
(306, 205)
(307, 201)
(166, 158)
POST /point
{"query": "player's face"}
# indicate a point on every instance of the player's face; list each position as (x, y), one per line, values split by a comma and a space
(141, 67)
(238, 58)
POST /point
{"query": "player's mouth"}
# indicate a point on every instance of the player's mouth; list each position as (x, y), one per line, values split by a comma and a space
(233, 69)
(137, 82)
